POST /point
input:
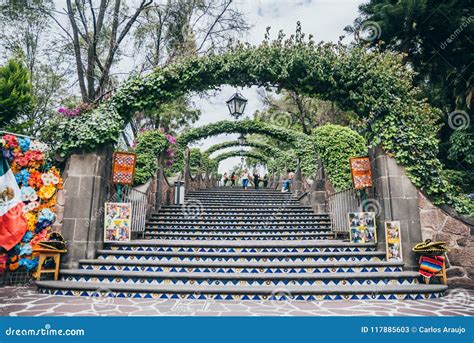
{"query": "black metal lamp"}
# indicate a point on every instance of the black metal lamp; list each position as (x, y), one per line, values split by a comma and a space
(236, 105)
(241, 139)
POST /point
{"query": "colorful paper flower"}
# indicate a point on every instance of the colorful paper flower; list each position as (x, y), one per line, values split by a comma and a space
(49, 179)
(29, 264)
(46, 192)
(10, 141)
(46, 215)
(24, 143)
(30, 206)
(26, 249)
(22, 177)
(38, 146)
(35, 180)
(40, 236)
(27, 237)
(28, 194)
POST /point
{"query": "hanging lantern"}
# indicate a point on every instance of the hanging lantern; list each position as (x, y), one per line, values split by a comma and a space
(236, 105)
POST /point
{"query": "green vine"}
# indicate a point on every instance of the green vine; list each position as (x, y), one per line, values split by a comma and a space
(235, 153)
(150, 145)
(335, 145)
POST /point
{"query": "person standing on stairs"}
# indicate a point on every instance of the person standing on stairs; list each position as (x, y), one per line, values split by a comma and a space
(265, 181)
(287, 183)
(233, 177)
(245, 179)
(225, 178)
(256, 178)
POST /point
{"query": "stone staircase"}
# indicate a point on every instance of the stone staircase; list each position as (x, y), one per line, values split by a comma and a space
(227, 243)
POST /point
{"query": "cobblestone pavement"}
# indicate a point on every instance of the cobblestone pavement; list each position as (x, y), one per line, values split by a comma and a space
(25, 301)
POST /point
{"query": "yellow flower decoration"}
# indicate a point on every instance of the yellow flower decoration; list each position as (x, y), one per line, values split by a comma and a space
(46, 192)
(30, 220)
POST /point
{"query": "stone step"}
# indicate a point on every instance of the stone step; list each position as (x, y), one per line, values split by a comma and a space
(240, 222)
(240, 256)
(242, 208)
(242, 247)
(205, 292)
(239, 267)
(237, 227)
(221, 279)
(236, 236)
(243, 216)
(247, 231)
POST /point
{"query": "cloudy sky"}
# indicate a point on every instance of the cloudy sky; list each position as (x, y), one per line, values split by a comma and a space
(325, 20)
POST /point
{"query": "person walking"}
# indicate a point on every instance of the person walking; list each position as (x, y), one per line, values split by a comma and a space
(245, 179)
(256, 178)
(225, 178)
(265, 181)
(233, 177)
(289, 180)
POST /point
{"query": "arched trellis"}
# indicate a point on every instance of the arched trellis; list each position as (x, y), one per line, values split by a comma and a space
(263, 147)
(237, 153)
(373, 85)
(303, 144)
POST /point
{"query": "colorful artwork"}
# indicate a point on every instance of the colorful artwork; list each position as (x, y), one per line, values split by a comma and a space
(393, 241)
(123, 168)
(361, 173)
(39, 183)
(362, 227)
(117, 222)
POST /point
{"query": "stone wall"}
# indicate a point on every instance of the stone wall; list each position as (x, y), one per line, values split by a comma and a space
(394, 197)
(438, 225)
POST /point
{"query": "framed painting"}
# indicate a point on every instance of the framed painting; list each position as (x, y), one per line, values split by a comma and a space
(362, 228)
(361, 172)
(123, 168)
(393, 241)
(117, 222)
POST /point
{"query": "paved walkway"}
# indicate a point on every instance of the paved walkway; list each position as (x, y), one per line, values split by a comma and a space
(25, 301)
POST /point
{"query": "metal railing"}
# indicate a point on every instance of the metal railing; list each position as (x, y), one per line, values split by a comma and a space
(339, 205)
(139, 201)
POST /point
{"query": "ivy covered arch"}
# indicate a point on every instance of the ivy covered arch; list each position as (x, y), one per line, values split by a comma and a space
(265, 148)
(302, 143)
(374, 85)
(237, 153)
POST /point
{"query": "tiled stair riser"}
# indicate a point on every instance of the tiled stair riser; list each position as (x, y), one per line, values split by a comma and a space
(255, 297)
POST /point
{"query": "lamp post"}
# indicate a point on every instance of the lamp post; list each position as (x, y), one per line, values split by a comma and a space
(236, 105)
(241, 139)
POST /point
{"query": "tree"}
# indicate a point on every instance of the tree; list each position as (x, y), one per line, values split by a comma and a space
(26, 35)
(181, 28)
(94, 37)
(303, 113)
(435, 37)
(168, 32)
(16, 96)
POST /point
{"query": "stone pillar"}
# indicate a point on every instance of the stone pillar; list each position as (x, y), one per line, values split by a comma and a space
(87, 177)
(187, 171)
(396, 198)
